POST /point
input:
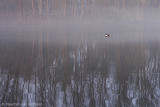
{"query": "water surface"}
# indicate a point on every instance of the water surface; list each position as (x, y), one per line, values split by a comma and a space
(75, 65)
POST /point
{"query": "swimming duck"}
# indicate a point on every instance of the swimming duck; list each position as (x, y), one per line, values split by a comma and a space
(107, 35)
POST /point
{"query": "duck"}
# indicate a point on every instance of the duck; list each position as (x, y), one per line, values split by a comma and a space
(107, 35)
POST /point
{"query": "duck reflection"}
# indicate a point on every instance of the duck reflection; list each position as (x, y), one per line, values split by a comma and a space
(38, 69)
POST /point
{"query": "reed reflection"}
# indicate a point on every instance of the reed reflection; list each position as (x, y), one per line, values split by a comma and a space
(43, 66)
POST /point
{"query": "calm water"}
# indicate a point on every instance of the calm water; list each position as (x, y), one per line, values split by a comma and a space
(75, 65)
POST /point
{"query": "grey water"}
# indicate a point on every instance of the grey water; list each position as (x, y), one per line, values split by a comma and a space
(54, 53)
(75, 65)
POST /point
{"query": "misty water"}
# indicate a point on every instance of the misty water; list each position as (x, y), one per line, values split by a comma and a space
(54, 53)
(75, 65)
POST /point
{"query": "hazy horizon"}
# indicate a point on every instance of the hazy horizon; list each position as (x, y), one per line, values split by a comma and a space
(53, 11)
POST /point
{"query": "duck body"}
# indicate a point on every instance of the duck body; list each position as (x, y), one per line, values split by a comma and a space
(107, 35)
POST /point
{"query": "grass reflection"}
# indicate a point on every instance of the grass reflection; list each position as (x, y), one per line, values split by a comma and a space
(63, 69)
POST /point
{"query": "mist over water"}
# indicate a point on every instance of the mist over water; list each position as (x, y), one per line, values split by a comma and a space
(55, 53)
(54, 11)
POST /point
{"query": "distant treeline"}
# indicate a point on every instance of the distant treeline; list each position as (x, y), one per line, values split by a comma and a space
(18, 10)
